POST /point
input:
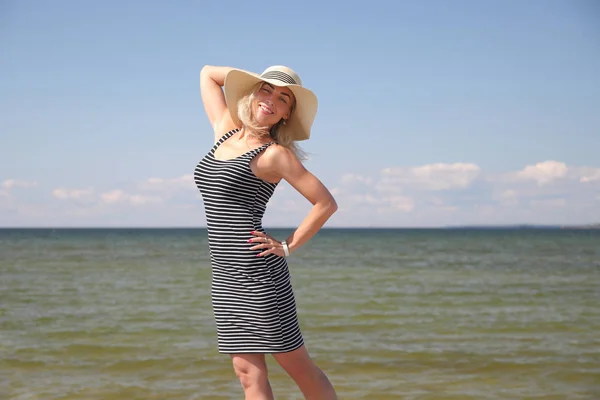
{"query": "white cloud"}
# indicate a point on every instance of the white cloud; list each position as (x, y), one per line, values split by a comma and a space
(120, 197)
(397, 191)
(544, 172)
(114, 196)
(150, 191)
(434, 177)
(506, 196)
(7, 189)
(138, 200)
(184, 182)
(588, 175)
(463, 193)
(400, 203)
(14, 183)
(547, 172)
(350, 197)
(509, 194)
(354, 178)
(364, 198)
(77, 194)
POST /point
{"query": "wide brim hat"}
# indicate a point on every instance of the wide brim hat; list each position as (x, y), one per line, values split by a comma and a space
(238, 83)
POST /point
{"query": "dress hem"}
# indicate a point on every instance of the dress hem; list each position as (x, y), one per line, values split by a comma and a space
(261, 351)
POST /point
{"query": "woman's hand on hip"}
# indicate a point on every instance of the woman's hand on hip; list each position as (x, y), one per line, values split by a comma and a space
(266, 242)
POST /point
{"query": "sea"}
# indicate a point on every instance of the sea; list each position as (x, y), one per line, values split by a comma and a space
(386, 313)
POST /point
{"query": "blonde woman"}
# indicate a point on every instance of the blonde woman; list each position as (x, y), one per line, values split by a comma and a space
(257, 119)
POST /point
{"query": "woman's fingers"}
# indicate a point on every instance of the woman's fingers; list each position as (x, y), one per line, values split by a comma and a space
(264, 253)
(264, 241)
(260, 246)
(261, 237)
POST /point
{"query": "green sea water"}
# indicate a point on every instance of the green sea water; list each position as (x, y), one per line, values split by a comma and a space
(387, 314)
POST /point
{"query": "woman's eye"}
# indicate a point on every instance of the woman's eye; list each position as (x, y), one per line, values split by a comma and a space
(283, 99)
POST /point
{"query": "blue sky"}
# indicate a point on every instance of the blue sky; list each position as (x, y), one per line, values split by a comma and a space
(431, 113)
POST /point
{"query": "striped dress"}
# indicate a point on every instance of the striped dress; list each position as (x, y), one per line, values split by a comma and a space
(252, 297)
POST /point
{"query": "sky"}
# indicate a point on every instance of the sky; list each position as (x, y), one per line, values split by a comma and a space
(431, 113)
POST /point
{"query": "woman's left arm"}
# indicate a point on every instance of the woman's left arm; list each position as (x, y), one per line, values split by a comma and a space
(283, 162)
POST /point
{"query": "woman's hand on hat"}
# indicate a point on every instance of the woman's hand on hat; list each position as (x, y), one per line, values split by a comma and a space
(264, 241)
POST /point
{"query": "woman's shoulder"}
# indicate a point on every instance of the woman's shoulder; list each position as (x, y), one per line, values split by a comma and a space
(277, 152)
(279, 157)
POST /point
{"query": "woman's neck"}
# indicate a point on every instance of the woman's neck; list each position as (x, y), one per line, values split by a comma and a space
(249, 133)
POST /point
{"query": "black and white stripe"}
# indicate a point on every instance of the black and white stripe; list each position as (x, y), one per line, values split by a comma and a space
(252, 297)
(280, 76)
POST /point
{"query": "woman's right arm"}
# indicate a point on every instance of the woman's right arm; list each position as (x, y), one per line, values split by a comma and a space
(212, 79)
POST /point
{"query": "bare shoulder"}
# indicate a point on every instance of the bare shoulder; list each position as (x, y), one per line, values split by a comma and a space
(278, 162)
(279, 158)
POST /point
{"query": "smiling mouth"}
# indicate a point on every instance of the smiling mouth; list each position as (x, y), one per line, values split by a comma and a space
(266, 109)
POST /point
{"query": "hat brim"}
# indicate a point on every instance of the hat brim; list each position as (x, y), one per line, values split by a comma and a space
(238, 83)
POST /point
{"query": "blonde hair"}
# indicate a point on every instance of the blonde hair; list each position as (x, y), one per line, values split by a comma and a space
(278, 132)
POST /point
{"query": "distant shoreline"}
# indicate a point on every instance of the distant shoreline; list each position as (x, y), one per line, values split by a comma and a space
(449, 227)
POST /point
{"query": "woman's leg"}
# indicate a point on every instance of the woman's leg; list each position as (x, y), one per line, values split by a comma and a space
(251, 369)
(310, 379)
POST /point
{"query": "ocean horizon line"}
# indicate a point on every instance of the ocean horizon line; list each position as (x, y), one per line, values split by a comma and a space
(416, 227)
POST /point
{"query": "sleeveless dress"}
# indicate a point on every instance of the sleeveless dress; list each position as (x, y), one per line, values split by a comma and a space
(252, 297)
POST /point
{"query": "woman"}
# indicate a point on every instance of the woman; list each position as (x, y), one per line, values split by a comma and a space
(256, 121)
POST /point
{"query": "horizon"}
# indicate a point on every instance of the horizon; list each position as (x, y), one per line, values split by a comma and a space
(506, 226)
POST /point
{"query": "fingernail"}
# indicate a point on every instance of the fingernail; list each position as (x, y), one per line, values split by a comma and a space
(252, 232)
(258, 255)
(249, 240)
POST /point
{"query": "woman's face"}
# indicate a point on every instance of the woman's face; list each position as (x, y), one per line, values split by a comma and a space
(271, 104)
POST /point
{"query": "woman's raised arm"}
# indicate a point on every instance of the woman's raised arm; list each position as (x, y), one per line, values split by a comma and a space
(212, 79)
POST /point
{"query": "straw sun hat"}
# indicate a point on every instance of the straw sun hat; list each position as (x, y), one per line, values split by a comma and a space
(238, 83)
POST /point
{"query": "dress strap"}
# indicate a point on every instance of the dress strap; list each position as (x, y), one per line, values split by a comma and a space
(253, 153)
(224, 138)
(257, 150)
